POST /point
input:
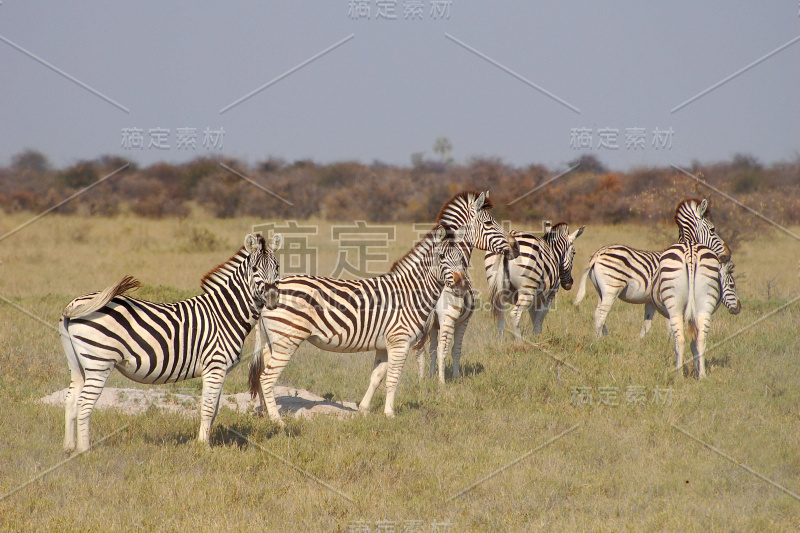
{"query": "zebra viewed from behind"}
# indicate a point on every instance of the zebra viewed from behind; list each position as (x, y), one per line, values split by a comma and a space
(467, 212)
(618, 271)
(166, 342)
(531, 280)
(387, 313)
(689, 286)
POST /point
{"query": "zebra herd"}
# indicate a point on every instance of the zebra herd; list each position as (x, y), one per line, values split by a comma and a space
(425, 294)
(685, 283)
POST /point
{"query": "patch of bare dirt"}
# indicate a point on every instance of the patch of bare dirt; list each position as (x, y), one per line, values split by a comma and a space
(298, 403)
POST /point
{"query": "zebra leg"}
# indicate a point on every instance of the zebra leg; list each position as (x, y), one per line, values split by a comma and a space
(421, 362)
(676, 325)
(378, 371)
(260, 332)
(396, 359)
(276, 360)
(607, 299)
(538, 313)
(213, 378)
(92, 388)
(524, 301)
(71, 415)
(75, 387)
(501, 324)
(435, 340)
(649, 312)
(458, 338)
(445, 344)
(699, 345)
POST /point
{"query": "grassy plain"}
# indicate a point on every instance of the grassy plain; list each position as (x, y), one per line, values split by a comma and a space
(624, 467)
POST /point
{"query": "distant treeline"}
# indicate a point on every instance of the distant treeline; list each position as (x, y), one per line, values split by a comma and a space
(386, 193)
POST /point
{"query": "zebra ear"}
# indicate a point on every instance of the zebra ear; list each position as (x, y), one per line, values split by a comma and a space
(252, 243)
(276, 242)
(577, 234)
(459, 235)
(701, 209)
(478, 205)
(440, 235)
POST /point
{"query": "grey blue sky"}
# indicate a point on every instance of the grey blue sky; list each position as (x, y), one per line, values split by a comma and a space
(396, 85)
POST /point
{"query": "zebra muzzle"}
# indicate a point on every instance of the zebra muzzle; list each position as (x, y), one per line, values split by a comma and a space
(513, 248)
(737, 309)
(460, 285)
(271, 296)
(726, 255)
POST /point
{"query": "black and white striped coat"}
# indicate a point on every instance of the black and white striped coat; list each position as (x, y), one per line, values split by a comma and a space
(166, 342)
(531, 280)
(619, 271)
(387, 313)
(468, 215)
(688, 287)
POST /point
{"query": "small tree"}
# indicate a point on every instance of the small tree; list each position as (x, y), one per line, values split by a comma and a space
(30, 160)
(443, 147)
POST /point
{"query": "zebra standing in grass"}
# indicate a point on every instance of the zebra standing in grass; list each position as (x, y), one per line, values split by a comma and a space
(618, 271)
(387, 313)
(531, 280)
(467, 212)
(166, 342)
(689, 286)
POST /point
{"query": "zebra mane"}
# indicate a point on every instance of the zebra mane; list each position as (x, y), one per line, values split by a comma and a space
(220, 273)
(559, 230)
(413, 256)
(690, 204)
(466, 197)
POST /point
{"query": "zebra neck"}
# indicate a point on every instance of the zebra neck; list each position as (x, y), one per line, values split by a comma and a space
(232, 297)
(423, 287)
(466, 249)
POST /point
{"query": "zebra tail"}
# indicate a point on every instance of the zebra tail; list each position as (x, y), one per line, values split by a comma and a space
(690, 314)
(76, 310)
(256, 362)
(73, 360)
(582, 283)
(499, 285)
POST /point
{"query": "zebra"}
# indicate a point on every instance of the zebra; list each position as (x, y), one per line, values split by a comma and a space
(468, 210)
(689, 286)
(531, 280)
(159, 343)
(618, 271)
(387, 313)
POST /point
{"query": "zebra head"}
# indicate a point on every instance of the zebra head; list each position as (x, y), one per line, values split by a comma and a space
(726, 282)
(694, 226)
(449, 262)
(470, 210)
(262, 269)
(563, 244)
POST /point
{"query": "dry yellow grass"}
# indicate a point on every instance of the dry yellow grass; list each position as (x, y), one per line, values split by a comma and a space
(626, 466)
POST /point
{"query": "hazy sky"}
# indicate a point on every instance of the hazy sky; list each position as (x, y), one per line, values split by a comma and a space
(391, 87)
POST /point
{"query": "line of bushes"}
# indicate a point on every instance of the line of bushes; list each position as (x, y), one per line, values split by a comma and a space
(386, 193)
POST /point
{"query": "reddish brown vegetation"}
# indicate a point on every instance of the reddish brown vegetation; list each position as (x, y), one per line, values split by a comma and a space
(383, 193)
